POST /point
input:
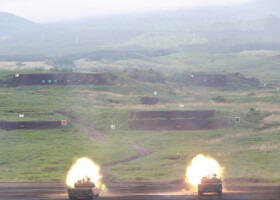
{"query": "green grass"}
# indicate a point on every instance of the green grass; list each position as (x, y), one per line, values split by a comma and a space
(262, 65)
(47, 155)
(248, 149)
(259, 64)
(239, 156)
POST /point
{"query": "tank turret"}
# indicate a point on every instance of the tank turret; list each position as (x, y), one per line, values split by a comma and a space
(210, 184)
(83, 189)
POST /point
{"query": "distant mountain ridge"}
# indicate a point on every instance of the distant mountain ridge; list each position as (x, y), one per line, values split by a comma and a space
(256, 24)
(10, 23)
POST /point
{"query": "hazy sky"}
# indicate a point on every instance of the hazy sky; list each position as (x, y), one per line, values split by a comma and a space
(56, 10)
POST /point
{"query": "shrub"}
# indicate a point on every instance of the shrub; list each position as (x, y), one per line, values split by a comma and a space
(219, 99)
(255, 116)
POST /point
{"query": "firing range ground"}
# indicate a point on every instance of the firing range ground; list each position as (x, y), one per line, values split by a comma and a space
(132, 191)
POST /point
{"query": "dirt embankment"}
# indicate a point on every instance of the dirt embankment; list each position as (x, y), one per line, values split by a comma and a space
(178, 124)
(176, 120)
(173, 114)
(33, 125)
(60, 79)
(149, 100)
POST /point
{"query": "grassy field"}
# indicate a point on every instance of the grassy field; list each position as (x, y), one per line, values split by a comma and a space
(259, 64)
(165, 40)
(247, 150)
(19, 66)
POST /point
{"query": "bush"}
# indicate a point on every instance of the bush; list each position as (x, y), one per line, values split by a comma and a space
(255, 116)
(219, 99)
(251, 94)
(20, 64)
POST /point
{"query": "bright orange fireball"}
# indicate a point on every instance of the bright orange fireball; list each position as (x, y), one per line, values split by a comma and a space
(84, 167)
(200, 167)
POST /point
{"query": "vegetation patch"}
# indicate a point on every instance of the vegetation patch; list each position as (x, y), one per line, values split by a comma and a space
(219, 99)
(255, 116)
(268, 126)
(238, 81)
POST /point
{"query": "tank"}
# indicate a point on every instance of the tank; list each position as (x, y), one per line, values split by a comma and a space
(210, 185)
(83, 189)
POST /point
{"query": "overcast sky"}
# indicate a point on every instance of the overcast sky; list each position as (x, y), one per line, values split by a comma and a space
(56, 10)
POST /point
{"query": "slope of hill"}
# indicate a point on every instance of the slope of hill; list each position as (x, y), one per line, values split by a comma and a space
(11, 24)
(254, 23)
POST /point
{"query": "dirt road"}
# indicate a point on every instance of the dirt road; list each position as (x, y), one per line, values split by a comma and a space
(130, 191)
(99, 136)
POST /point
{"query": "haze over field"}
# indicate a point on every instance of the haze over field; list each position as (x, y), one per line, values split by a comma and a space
(141, 88)
(52, 10)
(195, 26)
